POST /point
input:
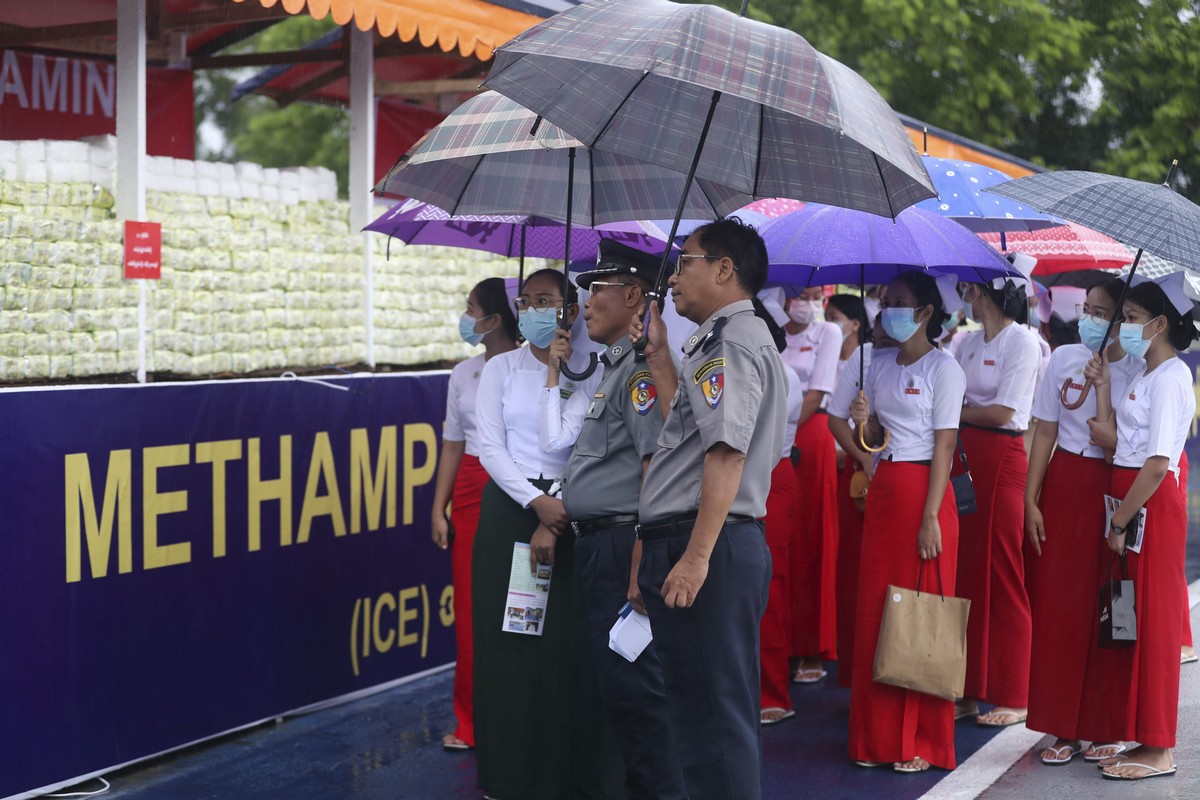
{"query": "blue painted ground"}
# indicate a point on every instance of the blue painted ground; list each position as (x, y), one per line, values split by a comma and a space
(388, 746)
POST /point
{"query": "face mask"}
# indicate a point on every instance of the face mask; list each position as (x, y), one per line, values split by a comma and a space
(950, 324)
(899, 324)
(1091, 332)
(805, 312)
(537, 325)
(1132, 341)
(466, 329)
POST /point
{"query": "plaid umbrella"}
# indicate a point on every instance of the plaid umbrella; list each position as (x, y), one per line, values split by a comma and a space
(482, 159)
(415, 222)
(634, 77)
(1147, 216)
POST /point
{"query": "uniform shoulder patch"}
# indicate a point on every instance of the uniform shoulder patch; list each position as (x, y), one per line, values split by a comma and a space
(642, 392)
(708, 366)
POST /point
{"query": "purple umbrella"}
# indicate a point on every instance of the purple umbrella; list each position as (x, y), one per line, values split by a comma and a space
(820, 245)
(416, 222)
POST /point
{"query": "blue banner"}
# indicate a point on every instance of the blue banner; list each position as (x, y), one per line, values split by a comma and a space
(179, 560)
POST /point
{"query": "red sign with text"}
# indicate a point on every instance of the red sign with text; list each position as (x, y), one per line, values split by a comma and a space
(143, 250)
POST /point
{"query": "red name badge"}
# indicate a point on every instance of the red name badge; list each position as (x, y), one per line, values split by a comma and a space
(807, 349)
(1132, 396)
(1077, 386)
(989, 362)
(143, 250)
(912, 390)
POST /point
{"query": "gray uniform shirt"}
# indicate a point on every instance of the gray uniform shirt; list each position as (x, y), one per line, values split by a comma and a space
(732, 389)
(620, 429)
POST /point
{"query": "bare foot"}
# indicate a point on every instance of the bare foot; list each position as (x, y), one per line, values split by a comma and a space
(965, 708)
(1187, 655)
(1105, 752)
(1142, 762)
(1062, 751)
(917, 764)
(1000, 717)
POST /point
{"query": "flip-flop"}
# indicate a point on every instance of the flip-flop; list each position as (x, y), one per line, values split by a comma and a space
(1192, 659)
(1120, 749)
(812, 675)
(967, 711)
(1017, 721)
(787, 714)
(453, 744)
(871, 764)
(906, 770)
(1153, 772)
(1071, 752)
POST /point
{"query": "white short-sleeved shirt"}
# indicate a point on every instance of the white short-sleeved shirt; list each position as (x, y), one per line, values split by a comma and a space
(913, 401)
(813, 354)
(1155, 415)
(1068, 361)
(795, 401)
(460, 404)
(1002, 371)
(1044, 360)
(508, 419)
(847, 383)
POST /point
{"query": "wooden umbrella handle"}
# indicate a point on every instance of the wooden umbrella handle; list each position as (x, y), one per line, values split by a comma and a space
(862, 437)
(1062, 395)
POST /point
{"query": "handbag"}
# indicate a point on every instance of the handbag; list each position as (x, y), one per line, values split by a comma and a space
(923, 641)
(1118, 610)
(964, 487)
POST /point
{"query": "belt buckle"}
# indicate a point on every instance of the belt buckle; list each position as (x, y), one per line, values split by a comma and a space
(575, 528)
(637, 530)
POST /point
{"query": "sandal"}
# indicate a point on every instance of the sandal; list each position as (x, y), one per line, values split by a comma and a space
(1014, 718)
(915, 764)
(1151, 772)
(777, 715)
(453, 744)
(809, 675)
(1061, 754)
(1091, 753)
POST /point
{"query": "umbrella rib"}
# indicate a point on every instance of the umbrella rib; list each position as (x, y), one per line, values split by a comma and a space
(470, 177)
(888, 195)
(620, 105)
(762, 112)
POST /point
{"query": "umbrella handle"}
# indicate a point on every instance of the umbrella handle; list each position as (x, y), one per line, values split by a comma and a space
(862, 437)
(593, 362)
(1062, 395)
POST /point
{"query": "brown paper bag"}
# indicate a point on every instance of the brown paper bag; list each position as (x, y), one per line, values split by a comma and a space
(923, 642)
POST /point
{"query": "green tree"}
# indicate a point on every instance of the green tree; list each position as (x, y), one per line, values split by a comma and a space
(253, 128)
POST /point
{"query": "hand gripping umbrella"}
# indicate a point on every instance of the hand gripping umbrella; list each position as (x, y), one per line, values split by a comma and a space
(783, 120)
(1154, 218)
(821, 245)
(492, 156)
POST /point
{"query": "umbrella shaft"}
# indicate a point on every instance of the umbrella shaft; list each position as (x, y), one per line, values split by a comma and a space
(1120, 301)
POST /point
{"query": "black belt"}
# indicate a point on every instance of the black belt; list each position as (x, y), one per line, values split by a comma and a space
(586, 527)
(925, 462)
(1002, 431)
(821, 411)
(677, 526)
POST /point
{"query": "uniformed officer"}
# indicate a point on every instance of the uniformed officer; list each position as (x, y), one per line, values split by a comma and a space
(600, 487)
(705, 565)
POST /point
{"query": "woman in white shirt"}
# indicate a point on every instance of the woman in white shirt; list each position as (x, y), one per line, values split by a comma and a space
(1064, 508)
(1000, 363)
(783, 509)
(848, 313)
(489, 321)
(1132, 694)
(539, 730)
(813, 351)
(910, 532)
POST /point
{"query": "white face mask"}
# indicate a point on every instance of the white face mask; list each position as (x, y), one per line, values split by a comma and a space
(847, 326)
(806, 312)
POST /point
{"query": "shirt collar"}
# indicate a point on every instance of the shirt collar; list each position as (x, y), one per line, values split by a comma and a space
(617, 351)
(736, 307)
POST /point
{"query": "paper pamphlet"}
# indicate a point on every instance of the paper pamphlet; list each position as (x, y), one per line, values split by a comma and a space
(525, 610)
(1136, 529)
(630, 635)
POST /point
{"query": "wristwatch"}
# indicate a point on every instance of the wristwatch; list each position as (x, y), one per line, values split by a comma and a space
(1119, 530)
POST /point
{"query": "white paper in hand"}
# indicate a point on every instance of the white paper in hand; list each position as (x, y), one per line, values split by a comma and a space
(630, 635)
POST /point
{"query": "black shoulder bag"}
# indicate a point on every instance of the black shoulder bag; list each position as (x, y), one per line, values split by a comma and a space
(964, 487)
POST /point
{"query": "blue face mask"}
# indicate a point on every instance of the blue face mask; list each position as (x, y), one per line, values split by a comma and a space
(1091, 332)
(899, 324)
(1132, 341)
(466, 329)
(537, 325)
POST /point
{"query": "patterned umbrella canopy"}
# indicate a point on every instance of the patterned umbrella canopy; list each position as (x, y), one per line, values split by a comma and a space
(491, 157)
(416, 222)
(959, 185)
(1147, 216)
(635, 77)
(1065, 248)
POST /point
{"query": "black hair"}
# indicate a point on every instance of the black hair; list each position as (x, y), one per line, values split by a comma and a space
(492, 298)
(1061, 332)
(740, 243)
(1150, 296)
(777, 333)
(1011, 299)
(572, 294)
(925, 292)
(852, 306)
(1113, 288)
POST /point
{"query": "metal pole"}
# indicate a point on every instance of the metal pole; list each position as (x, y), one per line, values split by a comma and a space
(362, 163)
(131, 135)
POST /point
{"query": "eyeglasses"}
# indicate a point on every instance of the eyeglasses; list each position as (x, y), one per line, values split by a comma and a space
(679, 259)
(607, 283)
(541, 301)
